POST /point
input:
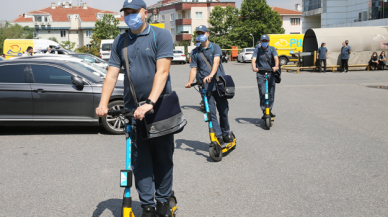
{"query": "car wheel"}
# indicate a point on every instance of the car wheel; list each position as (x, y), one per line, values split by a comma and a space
(238, 59)
(114, 125)
(283, 61)
(183, 62)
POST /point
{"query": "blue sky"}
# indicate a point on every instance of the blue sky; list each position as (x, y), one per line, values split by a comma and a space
(12, 9)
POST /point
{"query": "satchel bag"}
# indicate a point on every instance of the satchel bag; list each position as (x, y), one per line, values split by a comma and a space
(224, 84)
(277, 74)
(167, 117)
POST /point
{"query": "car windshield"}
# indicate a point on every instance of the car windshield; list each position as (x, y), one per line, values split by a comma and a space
(250, 50)
(86, 73)
(94, 66)
(106, 47)
(1, 58)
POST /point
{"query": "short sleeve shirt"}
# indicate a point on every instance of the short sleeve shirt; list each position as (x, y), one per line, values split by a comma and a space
(213, 50)
(261, 62)
(345, 52)
(144, 50)
(322, 53)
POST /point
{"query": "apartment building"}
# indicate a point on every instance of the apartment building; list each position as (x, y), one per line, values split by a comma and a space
(66, 22)
(292, 19)
(344, 13)
(181, 17)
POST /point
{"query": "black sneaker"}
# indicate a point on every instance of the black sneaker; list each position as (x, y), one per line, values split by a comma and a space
(163, 209)
(228, 138)
(220, 140)
(272, 115)
(149, 211)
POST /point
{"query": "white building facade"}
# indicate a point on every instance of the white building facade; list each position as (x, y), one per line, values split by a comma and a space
(344, 13)
(292, 20)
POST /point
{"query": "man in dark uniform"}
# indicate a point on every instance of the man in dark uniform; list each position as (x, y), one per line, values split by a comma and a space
(345, 52)
(322, 55)
(261, 66)
(200, 70)
(150, 52)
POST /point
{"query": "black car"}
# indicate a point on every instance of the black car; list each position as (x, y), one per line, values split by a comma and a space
(51, 92)
(92, 59)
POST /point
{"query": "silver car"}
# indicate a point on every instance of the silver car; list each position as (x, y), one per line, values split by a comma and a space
(245, 55)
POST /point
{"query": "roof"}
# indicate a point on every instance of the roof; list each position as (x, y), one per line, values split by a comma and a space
(283, 11)
(59, 14)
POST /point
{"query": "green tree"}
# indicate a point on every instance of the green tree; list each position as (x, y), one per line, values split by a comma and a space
(93, 49)
(13, 31)
(107, 27)
(256, 18)
(53, 39)
(149, 19)
(67, 44)
(194, 36)
(222, 20)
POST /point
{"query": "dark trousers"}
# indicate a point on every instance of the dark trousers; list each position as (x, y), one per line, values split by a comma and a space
(321, 62)
(215, 101)
(271, 89)
(344, 64)
(383, 64)
(152, 165)
(373, 65)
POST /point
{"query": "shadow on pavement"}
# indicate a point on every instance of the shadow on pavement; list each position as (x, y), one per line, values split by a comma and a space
(52, 130)
(114, 205)
(255, 121)
(194, 146)
(198, 108)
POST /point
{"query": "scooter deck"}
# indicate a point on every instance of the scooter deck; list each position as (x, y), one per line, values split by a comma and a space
(229, 146)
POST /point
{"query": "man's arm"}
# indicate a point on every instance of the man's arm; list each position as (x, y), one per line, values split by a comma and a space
(193, 74)
(216, 63)
(160, 79)
(276, 64)
(107, 89)
(254, 65)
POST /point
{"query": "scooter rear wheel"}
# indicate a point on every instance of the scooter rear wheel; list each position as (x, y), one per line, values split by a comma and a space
(268, 123)
(215, 153)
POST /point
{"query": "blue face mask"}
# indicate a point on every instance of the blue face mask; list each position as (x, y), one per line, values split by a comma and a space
(198, 44)
(133, 21)
(264, 44)
(202, 38)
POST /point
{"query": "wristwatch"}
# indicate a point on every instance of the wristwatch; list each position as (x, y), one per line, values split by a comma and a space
(148, 101)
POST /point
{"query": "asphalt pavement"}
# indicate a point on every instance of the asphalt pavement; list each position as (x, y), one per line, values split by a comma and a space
(326, 155)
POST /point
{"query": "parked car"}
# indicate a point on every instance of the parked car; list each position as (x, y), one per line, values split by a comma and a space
(2, 58)
(179, 56)
(245, 54)
(92, 59)
(52, 92)
(105, 48)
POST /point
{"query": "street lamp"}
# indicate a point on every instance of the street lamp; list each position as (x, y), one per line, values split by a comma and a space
(253, 40)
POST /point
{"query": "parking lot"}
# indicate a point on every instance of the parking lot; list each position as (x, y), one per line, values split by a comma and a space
(325, 156)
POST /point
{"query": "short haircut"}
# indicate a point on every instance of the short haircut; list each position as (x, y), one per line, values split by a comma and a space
(30, 48)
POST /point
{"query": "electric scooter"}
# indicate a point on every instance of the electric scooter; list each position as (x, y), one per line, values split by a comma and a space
(268, 119)
(216, 150)
(126, 175)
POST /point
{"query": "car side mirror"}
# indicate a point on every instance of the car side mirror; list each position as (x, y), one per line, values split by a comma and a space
(77, 81)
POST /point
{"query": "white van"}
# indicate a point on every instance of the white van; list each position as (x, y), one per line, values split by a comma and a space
(105, 48)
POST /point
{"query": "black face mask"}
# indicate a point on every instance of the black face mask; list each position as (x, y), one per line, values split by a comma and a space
(346, 43)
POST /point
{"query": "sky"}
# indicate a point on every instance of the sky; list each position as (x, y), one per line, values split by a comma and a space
(10, 10)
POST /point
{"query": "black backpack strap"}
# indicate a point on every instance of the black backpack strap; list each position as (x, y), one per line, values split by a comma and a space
(125, 50)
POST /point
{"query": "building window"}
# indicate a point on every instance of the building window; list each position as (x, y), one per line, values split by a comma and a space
(171, 17)
(162, 18)
(35, 34)
(172, 31)
(63, 34)
(89, 33)
(38, 18)
(155, 17)
(312, 5)
(188, 15)
(45, 19)
(198, 15)
(295, 21)
(179, 16)
(183, 29)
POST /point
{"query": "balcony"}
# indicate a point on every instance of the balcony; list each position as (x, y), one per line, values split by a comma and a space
(179, 22)
(183, 37)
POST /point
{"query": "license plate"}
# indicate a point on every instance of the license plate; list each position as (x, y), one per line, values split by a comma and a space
(105, 54)
(177, 55)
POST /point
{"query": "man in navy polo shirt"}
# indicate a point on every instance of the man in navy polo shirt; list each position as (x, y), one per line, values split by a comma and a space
(261, 66)
(200, 70)
(345, 52)
(150, 52)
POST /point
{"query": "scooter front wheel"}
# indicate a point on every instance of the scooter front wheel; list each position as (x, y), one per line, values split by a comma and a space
(215, 153)
(268, 123)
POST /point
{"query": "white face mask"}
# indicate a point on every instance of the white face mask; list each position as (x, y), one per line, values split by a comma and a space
(374, 55)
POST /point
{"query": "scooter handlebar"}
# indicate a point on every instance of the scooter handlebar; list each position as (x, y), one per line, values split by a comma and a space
(199, 83)
(126, 112)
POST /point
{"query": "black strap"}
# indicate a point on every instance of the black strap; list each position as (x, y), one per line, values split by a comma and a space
(266, 58)
(125, 50)
(207, 63)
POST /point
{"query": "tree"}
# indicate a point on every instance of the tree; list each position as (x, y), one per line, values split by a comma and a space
(67, 44)
(53, 39)
(222, 20)
(13, 31)
(93, 49)
(107, 27)
(194, 36)
(149, 19)
(256, 18)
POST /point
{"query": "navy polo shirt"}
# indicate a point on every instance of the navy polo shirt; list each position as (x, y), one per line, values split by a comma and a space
(144, 50)
(345, 52)
(261, 62)
(322, 53)
(213, 50)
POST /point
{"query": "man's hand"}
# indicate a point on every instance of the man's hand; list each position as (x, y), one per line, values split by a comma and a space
(275, 69)
(207, 79)
(102, 111)
(188, 85)
(255, 69)
(343, 43)
(141, 111)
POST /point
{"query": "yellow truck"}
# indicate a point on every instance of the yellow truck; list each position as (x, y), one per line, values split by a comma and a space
(285, 45)
(17, 47)
(159, 25)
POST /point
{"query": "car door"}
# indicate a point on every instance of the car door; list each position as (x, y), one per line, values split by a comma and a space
(55, 98)
(15, 93)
